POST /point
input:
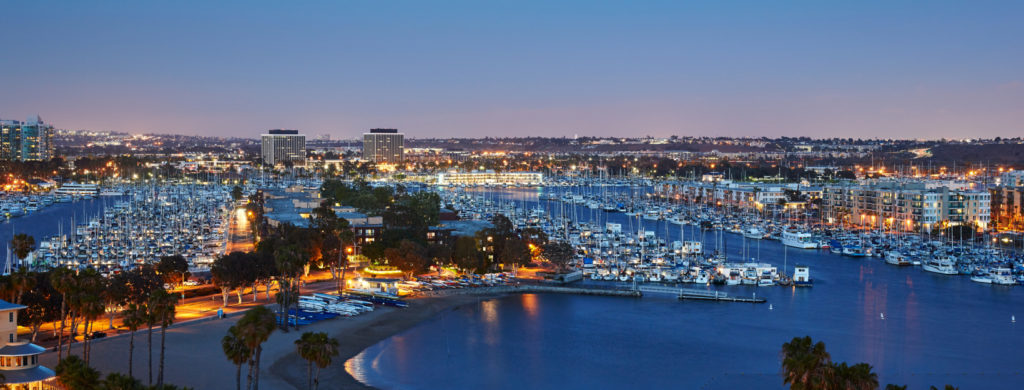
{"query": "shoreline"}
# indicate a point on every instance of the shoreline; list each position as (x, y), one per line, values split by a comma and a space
(357, 334)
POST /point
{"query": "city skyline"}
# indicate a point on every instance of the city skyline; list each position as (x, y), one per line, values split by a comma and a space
(893, 70)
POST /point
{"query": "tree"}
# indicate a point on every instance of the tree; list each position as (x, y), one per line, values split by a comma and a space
(805, 364)
(439, 254)
(254, 328)
(856, 377)
(21, 280)
(134, 317)
(75, 374)
(316, 348)
(234, 271)
(63, 280)
(22, 244)
(162, 308)
(515, 252)
(117, 381)
(559, 254)
(290, 261)
(408, 257)
(236, 351)
(173, 269)
(236, 193)
(466, 254)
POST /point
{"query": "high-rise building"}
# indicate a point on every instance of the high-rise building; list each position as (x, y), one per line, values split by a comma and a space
(384, 145)
(31, 140)
(284, 145)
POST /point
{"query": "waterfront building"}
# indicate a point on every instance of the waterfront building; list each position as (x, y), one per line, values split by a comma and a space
(490, 177)
(728, 193)
(31, 140)
(280, 146)
(19, 359)
(907, 206)
(1012, 179)
(384, 145)
(1007, 212)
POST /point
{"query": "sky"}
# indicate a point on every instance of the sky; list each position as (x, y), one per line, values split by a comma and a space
(861, 69)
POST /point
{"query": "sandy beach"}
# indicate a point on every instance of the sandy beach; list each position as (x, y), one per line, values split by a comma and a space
(194, 357)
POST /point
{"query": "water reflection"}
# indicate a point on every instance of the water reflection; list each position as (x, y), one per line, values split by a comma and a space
(530, 305)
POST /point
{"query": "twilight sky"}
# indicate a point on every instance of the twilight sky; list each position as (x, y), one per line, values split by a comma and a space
(514, 68)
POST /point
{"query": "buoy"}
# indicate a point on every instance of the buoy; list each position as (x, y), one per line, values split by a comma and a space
(770, 307)
(882, 315)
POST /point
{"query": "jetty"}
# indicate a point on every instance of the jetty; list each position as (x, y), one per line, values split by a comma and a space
(700, 295)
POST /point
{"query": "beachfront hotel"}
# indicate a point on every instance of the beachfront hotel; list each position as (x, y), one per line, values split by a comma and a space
(19, 359)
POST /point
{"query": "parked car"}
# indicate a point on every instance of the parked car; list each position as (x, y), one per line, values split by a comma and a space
(97, 335)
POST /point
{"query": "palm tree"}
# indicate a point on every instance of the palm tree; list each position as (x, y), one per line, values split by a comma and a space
(63, 280)
(90, 307)
(319, 349)
(134, 317)
(22, 244)
(304, 346)
(20, 281)
(856, 377)
(74, 374)
(118, 381)
(805, 364)
(254, 328)
(237, 352)
(162, 305)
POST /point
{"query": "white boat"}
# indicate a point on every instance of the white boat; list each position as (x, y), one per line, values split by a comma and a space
(943, 266)
(896, 258)
(78, 189)
(703, 278)
(792, 237)
(981, 278)
(753, 233)
(1002, 275)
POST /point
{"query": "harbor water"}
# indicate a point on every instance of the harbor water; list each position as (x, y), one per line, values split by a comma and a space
(915, 328)
(58, 218)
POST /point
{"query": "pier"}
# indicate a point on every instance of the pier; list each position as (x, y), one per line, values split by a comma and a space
(700, 295)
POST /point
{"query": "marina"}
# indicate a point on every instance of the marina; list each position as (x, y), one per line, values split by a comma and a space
(129, 227)
(670, 242)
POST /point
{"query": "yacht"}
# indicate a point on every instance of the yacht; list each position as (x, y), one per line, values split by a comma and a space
(792, 237)
(753, 233)
(1002, 275)
(981, 277)
(943, 266)
(896, 258)
(80, 189)
(703, 278)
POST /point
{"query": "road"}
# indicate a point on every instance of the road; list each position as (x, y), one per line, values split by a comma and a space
(239, 233)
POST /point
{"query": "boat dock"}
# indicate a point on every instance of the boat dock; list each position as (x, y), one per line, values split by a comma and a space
(700, 295)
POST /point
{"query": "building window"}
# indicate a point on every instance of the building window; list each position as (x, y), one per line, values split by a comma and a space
(10, 337)
(10, 317)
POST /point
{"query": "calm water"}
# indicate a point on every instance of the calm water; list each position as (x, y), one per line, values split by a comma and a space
(50, 221)
(937, 329)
